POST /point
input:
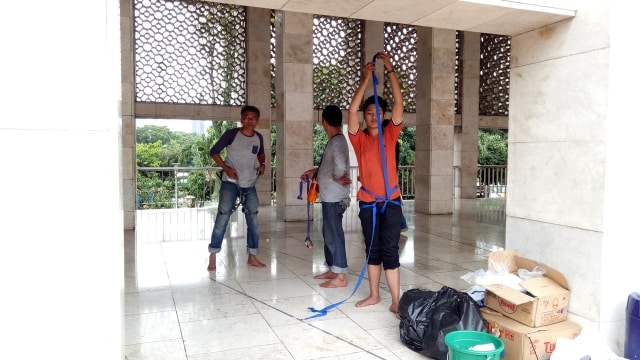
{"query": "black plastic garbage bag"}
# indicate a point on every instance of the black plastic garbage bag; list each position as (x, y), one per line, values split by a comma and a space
(427, 316)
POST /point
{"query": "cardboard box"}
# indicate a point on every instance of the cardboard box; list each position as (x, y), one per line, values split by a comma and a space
(522, 342)
(546, 301)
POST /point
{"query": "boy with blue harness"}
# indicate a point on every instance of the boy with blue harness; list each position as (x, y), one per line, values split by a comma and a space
(379, 196)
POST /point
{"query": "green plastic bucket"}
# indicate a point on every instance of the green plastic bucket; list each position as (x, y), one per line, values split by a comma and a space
(460, 342)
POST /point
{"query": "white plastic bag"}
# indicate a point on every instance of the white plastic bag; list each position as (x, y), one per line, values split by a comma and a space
(587, 345)
(483, 278)
(537, 272)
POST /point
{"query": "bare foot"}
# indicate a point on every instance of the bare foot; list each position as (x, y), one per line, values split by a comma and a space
(368, 301)
(253, 261)
(327, 275)
(394, 309)
(338, 281)
(212, 262)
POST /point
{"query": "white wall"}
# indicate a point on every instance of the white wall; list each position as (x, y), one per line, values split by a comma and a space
(62, 232)
(568, 131)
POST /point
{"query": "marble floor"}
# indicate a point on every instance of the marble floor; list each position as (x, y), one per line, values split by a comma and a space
(175, 309)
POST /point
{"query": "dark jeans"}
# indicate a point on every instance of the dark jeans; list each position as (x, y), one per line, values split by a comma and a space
(386, 234)
(335, 253)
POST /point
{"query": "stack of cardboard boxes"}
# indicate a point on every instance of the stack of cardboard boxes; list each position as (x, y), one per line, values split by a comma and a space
(528, 323)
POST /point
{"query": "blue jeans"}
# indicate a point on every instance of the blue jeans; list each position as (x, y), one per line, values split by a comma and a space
(335, 253)
(229, 193)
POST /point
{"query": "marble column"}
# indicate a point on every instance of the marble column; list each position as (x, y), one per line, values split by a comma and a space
(468, 102)
(435, 121)
(373, 44)
(294, 113)
(259, 86)
(127, 78)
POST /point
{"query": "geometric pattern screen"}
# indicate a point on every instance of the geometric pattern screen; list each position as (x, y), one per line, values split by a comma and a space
(400, 41)
(190, 52)
(458, 73)
(495, 62)
(337, 59)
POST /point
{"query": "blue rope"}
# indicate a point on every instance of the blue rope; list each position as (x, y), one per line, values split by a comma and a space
(324, 311)
(307, 240)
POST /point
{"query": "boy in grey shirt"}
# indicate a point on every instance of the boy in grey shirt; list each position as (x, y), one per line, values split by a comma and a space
(333, 182)
(244, 147)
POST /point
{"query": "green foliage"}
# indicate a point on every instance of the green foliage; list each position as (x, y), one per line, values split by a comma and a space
(196, 152)
(492, 147)
(153, 192)
(147, 155)
(152, 133)
(273, 144)
(170, 154)
(320, 140)
(160, 147)
(407, 142)
(200, 184)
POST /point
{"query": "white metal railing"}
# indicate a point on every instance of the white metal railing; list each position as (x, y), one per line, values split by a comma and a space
(491, 181)
(180, 187)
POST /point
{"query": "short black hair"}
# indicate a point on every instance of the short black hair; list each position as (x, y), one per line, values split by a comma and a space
(249, 108)
(372, 100)
(332, 115)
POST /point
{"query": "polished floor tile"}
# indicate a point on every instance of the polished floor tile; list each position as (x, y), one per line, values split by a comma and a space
(176, 310)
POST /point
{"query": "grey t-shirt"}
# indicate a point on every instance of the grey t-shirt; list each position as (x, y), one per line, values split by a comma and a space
(242, 152)
(334, 164)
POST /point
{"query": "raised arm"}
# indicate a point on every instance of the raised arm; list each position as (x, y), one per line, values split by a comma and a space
(397, 111)
(352, 116)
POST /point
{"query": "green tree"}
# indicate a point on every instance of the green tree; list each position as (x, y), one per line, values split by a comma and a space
(407, 142)
(196, 151)
(147, 154)
(320, 140)
(151, 133)
(170, 154)
(273, 144)
(492, 147)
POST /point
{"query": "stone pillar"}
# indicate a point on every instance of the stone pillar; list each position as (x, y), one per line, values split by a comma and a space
(127, 77)
(435, 121)
(294, 112)
(259, 86)
(469, 103)
(373, 44)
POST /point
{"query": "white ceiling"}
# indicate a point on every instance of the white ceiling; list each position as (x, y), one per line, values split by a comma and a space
(487, 16)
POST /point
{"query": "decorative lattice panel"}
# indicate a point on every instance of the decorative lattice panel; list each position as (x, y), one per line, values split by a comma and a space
(458, 74)
(190, 52)
(272, 48)
(495, 61)
(400, 41)
(337, 60)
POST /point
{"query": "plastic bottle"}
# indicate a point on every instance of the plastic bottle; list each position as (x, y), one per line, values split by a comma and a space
(632, 339)
(312, 195)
